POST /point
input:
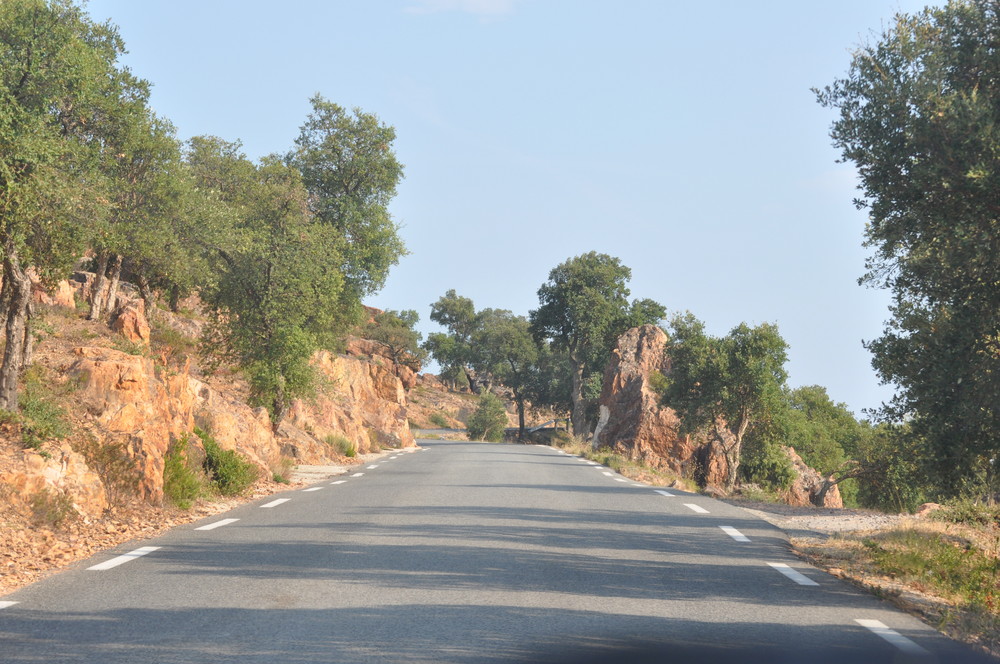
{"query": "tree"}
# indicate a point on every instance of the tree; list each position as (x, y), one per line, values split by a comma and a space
(58, 74)
(351, 173)
(393, 330)
(917, 117)
(583, 309)
(729, 385)
(505, 350)
(489, 421)
(453, 350)
(277, 297)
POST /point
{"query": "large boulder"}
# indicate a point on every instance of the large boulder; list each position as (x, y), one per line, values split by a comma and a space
(129, 320)
(64, 472)
(635, 423)
(808, 484)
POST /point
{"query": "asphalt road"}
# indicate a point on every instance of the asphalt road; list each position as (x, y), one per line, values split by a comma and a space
(463, 552)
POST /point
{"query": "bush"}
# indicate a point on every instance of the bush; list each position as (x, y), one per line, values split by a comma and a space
(970, 513)
(41, 417)
(111, 460)
(439, 420)
(232, 474)
(342, 445)
(489, 420)
(51, 508)
(183, 483)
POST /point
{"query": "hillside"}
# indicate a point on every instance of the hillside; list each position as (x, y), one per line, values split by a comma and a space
(103, 410)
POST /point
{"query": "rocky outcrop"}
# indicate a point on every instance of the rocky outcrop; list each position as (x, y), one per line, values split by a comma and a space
(366, 403)
(808, 485)
(64, 472)
(634, 423)
(129, 320)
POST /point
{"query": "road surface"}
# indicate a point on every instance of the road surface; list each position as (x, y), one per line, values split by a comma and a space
(463, 552)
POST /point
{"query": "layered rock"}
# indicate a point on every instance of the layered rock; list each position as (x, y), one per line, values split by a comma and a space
(808, 485)
(129, 320)
(64, 472)
(634, 423)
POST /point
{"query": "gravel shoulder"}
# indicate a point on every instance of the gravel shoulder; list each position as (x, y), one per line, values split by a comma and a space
(818, 522)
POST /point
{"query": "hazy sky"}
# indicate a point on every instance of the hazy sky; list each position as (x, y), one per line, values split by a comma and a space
(681, 137)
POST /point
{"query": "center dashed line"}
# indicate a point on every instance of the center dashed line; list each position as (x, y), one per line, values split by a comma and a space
(735, 534)
(892, 636)
(664, 493)
(275, 503)
(217, 524)
(696, 508)
(315, 488)
(338, 482)
(797, 577)
(357, 474)
(124, 558)
(374, 465)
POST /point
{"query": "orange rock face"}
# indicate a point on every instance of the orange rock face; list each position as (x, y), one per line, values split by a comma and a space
(807, 484)
(129, 320)
(634, 423)
(66, 473)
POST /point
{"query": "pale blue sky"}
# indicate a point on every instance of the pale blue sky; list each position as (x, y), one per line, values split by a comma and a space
(681, 137)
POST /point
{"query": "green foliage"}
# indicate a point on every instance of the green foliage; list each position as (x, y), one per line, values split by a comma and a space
(918, 120)
(183, 483)
(351, 172)
(342, 445)
(489, 420)
(765, 464)
(731, 386)
(393, 330)
(583, 309)
(439, 420)
(970, 513)
(231, 473)
(41, 416)
(893, 479)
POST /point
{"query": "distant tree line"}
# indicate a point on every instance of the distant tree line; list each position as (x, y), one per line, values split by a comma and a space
(281, 251)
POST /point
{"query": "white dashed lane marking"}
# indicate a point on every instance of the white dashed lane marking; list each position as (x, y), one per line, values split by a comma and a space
(892, 636)
(337, 482)
(664, 493)
(798, 578)
(735, 534)
(275, 503)
(357, 474)
(315, 488)
(608, 474)
(696, 508)
(217, 524)
(620, 479)
(124, 558)
(374, 465)
(4, 605)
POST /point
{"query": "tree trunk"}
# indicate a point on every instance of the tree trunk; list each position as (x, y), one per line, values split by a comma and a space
(28, 352)
(520, 416)
(579, 414)
(175, 299)
(17, 313)
(148, 296)
(97, 297)
(116, 274)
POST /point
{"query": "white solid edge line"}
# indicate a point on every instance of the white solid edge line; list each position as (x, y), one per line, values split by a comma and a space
(4, 605)
(217, 524)
(664, 493)
(696, 508)
(797, 577)
(315, 488)
(338, 482)
(892, 636)
(124, 558)
(735, 534)
(275, 503)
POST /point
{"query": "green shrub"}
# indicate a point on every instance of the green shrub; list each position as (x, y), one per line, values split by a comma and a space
(232, 474)
(41, 417)
(342, 445)
(489, 420)
(183, 483)
(439, 420)
(969, 512)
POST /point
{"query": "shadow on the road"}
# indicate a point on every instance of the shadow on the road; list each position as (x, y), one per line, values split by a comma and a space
(447, 633)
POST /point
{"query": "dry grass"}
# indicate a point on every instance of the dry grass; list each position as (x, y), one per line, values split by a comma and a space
(946, 573)
(632, 469)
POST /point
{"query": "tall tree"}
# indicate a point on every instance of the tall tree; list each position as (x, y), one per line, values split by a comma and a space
(584, 308)
(394, 331)
(729, 385)
(918, 117)
(277, 297)
(453, 350)
(351, 172)
(58, 75)
(504, 349)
